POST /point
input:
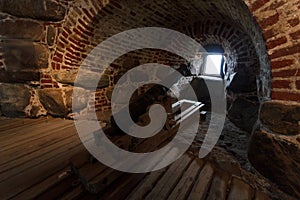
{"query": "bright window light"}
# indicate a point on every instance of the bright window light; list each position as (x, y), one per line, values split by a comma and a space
(213, 65)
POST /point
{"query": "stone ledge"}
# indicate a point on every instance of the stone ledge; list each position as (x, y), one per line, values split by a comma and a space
(280, 117)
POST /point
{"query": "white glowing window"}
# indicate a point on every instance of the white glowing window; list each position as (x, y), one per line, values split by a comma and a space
(213, 65)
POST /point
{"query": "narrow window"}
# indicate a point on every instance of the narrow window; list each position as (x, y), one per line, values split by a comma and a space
(213, 65)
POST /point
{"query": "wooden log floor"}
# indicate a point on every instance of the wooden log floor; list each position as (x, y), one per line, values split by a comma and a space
(37, 157)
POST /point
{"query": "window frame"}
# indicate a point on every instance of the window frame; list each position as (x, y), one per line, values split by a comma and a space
(221, 70)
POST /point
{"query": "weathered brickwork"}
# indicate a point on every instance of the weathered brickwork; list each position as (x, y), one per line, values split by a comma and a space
(279, 21)
(78, 26)
(44, 42)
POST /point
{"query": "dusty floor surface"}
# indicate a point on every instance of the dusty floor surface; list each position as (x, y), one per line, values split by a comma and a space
(230, 154)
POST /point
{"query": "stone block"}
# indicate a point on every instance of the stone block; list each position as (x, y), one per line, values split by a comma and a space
(21, 55)
(282, 118)
(47, 10)
(18, 76)
(13, 99)
(277, 158)
(76, 98)
(62, 101)
(21, 29)
(51, 33)
(53, 101)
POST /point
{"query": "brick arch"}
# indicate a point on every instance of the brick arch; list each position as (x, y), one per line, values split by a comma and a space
(236, 43)
(279, 22)
(274, 18)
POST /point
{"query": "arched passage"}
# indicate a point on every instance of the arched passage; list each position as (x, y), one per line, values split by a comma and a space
(71, 29)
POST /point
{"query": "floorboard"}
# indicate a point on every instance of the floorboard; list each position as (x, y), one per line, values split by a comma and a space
(39, 159)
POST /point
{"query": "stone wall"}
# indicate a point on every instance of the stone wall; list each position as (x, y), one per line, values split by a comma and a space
(58, 35)
(43, 43)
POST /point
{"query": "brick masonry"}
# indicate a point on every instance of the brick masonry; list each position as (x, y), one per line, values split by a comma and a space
(260, 38)
(81, 25)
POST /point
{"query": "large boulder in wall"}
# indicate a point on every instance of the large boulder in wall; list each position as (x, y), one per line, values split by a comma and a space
(274, 147)
(60, 102)
(53, 101)
(14, 98)
(277, 158)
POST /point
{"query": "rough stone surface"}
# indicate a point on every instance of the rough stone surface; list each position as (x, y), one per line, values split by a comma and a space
(50, 35)
(77, 102)
(24, 55)
(53, 102)
(244, 113)
(36, 9)
(13, 99)
(86, 79)
(277, 158)
(281, 118)
(20, 29)
(242, 83)
(18, 76)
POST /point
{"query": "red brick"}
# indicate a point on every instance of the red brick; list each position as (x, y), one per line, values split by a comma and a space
(43, 81)
(282, 63)
(53, 65)
(274, 5)
(286, 51)
(65, 41)
(75, 48)
(298, 84)
(59, 55)
(85, 26)
(46, 86)
(269, 33)
(264, 23)
(65, 34)
(77, 42)
(93, 11)
(55, 84)
(281, 84)
(285, 96)
(295, 35)
(274, 43)
(294, 22)
(77, 31)
(88, 14)
(258, 4)
(57, 66)
(45, 76)
(286, 73)
(56, 59)
(65, 67)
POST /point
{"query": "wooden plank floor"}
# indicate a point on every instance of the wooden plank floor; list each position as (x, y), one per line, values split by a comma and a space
(35, 164)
